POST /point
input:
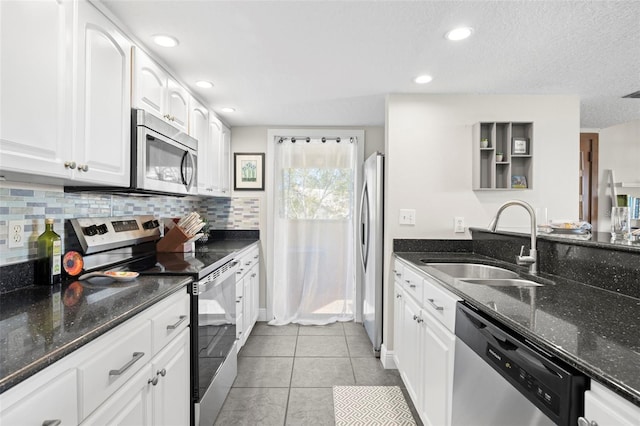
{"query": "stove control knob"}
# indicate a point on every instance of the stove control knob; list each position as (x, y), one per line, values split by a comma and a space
(90, 230)
(151, 224)
(102, 229)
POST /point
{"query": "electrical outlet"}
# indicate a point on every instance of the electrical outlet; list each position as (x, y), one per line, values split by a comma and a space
(16, 233)
(407, 217)
(458, 224)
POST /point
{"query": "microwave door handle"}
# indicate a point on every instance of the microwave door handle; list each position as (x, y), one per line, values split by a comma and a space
(189, 184)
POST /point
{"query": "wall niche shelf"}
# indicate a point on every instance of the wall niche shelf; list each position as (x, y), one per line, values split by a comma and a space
(515, 141)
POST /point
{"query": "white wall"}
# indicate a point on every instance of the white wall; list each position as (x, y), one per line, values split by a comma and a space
(254, 139)
(428, 166)
(619, 150)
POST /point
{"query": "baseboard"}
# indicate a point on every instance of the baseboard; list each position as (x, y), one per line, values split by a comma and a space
(386, 358)
(262, 314)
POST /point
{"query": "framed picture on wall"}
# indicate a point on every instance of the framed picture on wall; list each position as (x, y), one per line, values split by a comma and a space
(248, 171)
(520, 146)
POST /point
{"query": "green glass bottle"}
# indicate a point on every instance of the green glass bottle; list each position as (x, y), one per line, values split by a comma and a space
(49, 264)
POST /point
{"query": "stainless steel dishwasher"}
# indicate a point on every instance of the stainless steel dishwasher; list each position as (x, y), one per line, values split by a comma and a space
(502, 379)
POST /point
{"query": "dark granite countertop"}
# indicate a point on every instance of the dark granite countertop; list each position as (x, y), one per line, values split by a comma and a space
(39, 324)
(595, 330)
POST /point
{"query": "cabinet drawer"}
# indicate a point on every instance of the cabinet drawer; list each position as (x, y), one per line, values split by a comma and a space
(118, 356)
(412, 283)
(173, 317)
(440, 303)
(247, 261)
(54, 400)
(398, 269)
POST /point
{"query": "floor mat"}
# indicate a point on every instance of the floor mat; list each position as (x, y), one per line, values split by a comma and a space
(371, 405)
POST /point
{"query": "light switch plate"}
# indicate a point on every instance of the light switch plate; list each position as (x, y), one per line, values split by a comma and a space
(407, 217)
(458, 224)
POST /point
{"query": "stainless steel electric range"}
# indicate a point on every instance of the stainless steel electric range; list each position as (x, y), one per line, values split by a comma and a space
(128, 244)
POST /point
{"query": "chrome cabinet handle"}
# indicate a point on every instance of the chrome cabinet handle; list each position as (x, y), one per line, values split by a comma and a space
(167, 116)
(247, 263)
(253, 275)
(419, 320)
(52, 422)
(583, 421)
(181, 319)
(136, 357)
(162, 372)
(398, 274)
(67, 165)
(398, 296)
(256, 256)
(153, 380)
(412, 285)
(436, 307)
(415, 317)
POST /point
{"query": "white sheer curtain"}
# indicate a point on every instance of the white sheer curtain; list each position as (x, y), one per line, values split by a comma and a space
(314, 260)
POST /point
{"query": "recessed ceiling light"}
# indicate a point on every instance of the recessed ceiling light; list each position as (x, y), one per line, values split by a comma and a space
(423, 79)
(165, 40)
(204, 84)
(228, 109)
(459, 33)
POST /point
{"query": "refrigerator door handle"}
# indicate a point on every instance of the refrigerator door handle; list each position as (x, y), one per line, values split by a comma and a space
(364, 240)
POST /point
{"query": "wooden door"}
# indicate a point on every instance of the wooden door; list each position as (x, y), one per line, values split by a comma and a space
(588, 178)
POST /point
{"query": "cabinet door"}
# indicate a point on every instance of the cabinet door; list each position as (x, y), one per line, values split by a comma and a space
(35, 82)
(54, 400)
(239, 312)
(103, 132)
(171, 394)
(177, 106)
(215, 133)
(225, 162)
(437, 372)
(247, 307)
(255, 294)
(605, 408)
(149, 84)
(412, 338)
(199, 129)
(131, 405)
(398, 327)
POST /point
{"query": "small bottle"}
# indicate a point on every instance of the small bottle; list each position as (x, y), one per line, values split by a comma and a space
(49, 264)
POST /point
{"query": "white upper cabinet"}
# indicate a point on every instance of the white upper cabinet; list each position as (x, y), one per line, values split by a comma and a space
(225, 162)
(35, 82)
(103, 132)
(177, 105)
(199, 129)
(219, 158)
(157, 93)
(54, 126)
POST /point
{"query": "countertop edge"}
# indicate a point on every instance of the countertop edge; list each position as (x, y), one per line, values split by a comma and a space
(35, 367)
(593, 372)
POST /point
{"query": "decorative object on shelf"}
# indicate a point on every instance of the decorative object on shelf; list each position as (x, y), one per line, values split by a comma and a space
(518, 182)
(620, 223)
(499, 157)
(249, 172)
(484, 143)
(520, 146)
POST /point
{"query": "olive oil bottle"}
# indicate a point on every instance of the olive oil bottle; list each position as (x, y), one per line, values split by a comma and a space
(49, 263)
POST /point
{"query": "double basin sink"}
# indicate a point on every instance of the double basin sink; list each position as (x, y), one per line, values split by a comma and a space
(475, 273)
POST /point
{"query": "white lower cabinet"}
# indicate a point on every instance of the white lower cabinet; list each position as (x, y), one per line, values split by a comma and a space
(247, 293)
(424, 343)
(605, 408)
(55, 399)
(135, 374)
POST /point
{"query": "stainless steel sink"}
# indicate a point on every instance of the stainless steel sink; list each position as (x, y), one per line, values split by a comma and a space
(472, 270)
(503, 282)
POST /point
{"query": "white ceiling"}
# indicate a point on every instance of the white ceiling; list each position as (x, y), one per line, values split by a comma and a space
(331, 63)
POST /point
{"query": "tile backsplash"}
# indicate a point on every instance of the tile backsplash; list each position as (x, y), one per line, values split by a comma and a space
(32, 204)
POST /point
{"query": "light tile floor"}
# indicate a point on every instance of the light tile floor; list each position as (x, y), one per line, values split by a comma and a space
(286, 374)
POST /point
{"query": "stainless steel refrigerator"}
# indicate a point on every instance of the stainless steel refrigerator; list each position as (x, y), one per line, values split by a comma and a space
(371, 229)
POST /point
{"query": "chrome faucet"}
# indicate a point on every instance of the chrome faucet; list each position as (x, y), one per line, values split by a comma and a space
(532, 259)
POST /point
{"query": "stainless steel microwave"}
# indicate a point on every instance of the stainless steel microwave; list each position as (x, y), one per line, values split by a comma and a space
(163, 159)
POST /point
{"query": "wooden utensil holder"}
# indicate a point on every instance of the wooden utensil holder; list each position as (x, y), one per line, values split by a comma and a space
(173, 241)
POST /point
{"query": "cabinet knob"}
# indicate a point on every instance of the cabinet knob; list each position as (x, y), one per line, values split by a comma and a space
(398, 296)
(51, 422)
(583, 421)
(167, 116)
(162, 372)
(153, 381)
(83, 167)
(69, 164)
